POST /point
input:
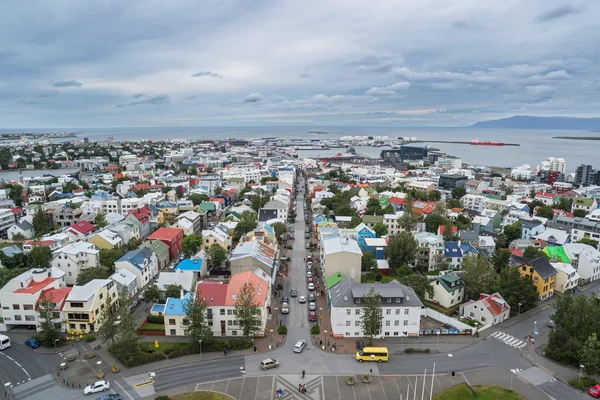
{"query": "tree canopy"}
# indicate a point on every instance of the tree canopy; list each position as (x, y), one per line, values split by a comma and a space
(197, 198)
(191, 244)
(532, 252)
(368, 262)
(513, 231)
(107, 257)
(380, 229)
(41, 222)
(401, 250)
(247, 310)
(371, 316)
(89, 274)
(217, 255)
(545, 212)
(458, 192)
(516, 289)
(477, 275)
(40, 257)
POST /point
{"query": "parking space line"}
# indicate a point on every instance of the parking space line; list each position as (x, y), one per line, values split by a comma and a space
(242, 388)
(338, 385)
(382, 388)
(398, 387)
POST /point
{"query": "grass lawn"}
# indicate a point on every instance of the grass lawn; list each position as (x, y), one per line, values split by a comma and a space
(148, 347)
(200, 396)
(462, 391)
(154, 327)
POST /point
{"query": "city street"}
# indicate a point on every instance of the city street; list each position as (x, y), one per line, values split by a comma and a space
(20, 364)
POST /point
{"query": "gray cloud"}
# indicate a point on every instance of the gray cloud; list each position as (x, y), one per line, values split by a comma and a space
(153, 100)
(254, 98)
(305, 76)
(207, 73)
(557, 13)
(69, 83)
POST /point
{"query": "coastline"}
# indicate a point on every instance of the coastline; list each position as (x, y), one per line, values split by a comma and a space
(577, 137)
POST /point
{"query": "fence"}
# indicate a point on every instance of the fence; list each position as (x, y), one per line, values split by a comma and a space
(460, 328)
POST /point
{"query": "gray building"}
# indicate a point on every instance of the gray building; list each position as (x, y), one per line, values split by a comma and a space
(449, 182)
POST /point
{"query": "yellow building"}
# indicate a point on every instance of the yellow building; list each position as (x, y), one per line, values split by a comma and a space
(84, 304)
(542, 275)
(106, 239)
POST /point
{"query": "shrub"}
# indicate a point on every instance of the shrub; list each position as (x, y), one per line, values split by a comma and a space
(89, 338)
(152, 327)
(315, 330)
(282, 330)
(415, 350)
(156, 319)
(162, 398)
(586, 382)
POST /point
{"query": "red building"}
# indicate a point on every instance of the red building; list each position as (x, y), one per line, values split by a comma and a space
(172, 237)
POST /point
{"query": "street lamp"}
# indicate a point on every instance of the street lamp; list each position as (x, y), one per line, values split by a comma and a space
(6, 389)
(437, 345)
(325, 338)
(534, 327)
(519, 315)
(449, 359)
(63, 367)
(200, 342)
(271, 330)
(513, 372)
(581, 367)
(99, 370)
(55, 342)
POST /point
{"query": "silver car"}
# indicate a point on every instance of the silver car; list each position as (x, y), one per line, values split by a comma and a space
(302, 299)
(299, 346)
(312, 306)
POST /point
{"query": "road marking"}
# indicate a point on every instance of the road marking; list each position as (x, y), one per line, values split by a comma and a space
(123, 389)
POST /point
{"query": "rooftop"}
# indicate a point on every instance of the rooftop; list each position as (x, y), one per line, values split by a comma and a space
(87, 291)
(166, 233)
(175, 305)
(190, 265)
(34, 286)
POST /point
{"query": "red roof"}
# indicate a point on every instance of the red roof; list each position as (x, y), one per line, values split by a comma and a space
(213, 293)
(517, 252)
(545, 194)
(488, 301)
(84, 227)
(442, 229)
(46, 243)
(166, 233)
(34, 286)
(219, 200)
(397, 200)
(57, 295)
(17, 210)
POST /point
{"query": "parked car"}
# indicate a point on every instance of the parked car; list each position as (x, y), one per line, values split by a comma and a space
(312, 306)
(311, 286)
(111, 396)
(299, 346)
(312, 297)
(594, 391)
(293, 293)
(309, 264)
(309, 274)
(285, 299)
(302, 299)
(309, 258)
(269, 363)
(310, 280)
(551, 324)
(312, 316)
(308, 245)
(33, 343)
(96, 387)
(285, 308)
(360, 345)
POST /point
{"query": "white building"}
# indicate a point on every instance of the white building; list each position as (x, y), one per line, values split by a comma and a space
(125, 280)
(585, 259)
(448, 290)
(391, 222)
(489, 309)
(400, 306)
(185, 279)
(473, 202)
(20, 295)
(567, 277)
(340, 255)
(142, 262)
(7, 219)
(523, 172)
(553, 164)
(75, 257)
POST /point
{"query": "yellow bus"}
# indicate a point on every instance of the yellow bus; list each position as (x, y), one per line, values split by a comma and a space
(378, 354)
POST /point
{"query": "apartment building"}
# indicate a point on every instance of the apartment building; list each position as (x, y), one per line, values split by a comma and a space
(75, 257)
(448, 290)
(142, 262)
(84, 304)
(542, 275)
(473, 202)
(340, 255)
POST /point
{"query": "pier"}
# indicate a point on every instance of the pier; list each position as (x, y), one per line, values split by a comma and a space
(459, 142)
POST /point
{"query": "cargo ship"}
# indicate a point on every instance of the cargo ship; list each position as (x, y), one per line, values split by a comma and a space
(476, 142)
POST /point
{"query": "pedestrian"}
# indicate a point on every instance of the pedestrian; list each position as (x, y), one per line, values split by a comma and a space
(303, 373)
(321, 342)
(327, 342)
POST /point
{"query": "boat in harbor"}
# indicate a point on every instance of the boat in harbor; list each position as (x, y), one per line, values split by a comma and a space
(477, 142)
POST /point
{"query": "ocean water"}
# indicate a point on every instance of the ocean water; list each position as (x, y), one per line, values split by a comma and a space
(535, 145)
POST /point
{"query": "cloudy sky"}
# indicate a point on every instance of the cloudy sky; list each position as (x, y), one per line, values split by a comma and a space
(74, 63)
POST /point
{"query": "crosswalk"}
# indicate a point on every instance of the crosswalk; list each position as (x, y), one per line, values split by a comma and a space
(509, 340)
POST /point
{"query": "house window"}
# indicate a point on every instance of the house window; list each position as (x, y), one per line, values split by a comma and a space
(71, 326)
(233, 333)
(388, 300)
(452, 301)
(482, 319)
(348, 323)
(472, 314)
(387, 323)
(16, 307)
(397, 311)
(18, 318)
(27, 306)
(210, 323)
(76, 305)
(406, 311)
(398, 300)
(405, 322)
(173, 332)
(356, 333)
(185, 321)
(222, 311)
(356, 323)
(83, 327)
(229, 312)
(230, 323)
(388, 311)
(171, 321)
(357, 312)
(101, 296)
(348, 311)
(397, 323)
(395, 333)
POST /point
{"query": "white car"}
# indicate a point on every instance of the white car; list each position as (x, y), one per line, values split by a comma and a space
(311, 286)
(309, 274)
(96, 387)
(302, 299)
(308, 245)
(299, 346)
(309, 264)
(285, 308)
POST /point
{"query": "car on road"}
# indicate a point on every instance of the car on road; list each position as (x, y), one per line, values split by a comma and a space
(285, 299)
(285, 308)
(309, 274)
(293, 293)
(302, 299)
(33, 343)
(96, 387)
(269, 363)
(299, 346)
(312, 297)
(309, 258)
(594, 391)
(312, 316)
(308, 245)
(111, 396)
(311, 286)
(551, 324)
(309, 264)
(312, 306)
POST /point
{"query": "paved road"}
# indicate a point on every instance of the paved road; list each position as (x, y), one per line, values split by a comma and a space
(20, 364)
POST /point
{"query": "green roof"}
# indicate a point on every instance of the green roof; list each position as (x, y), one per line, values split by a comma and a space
(208, 206)
(584, 201)
(159, 247)
(383, 201)
(334, 280)
(558, 252)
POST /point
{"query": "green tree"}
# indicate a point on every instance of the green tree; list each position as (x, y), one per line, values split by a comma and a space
(333, 188)
(516, 289)
(173, 291)
(152, 294)
(532, 252)
(247, 310)
(196, 322)
(477, 275)
(333, 174)
(401, 250)
(545, 212)
(256, 202)
(126, 345)
(419, 283)
(179, 192)
(191, 245)
(108, 317)
(380, 229)
(108, 257)
(589, 356)
(246, 224)
(458, 192)
(371, 316)
(193, 171)
(513, 231)
(217, 255)
(579, 213)
(449, 234)
(218, 190)
(589, 242)
(368, 262)
(354, 222)
(16, 194)
(408, 220)
(434, 195)
(132, 244)
(100, 220)
(453, 203)
(501, 258)
(196, 198)
(89, 274)
(41, 223)
(48, 319)
(280, 229)
(344, 210)
(372, 203)
(433, 222)
(40, 257)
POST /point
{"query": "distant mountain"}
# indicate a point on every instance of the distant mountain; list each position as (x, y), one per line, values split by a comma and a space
(527, 122)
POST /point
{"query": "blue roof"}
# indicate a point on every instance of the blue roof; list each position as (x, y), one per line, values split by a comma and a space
(468, 248)
(137, 257)
(320, 219)
(451, 249)
(269, 228)
(190, 265)
(174, 305)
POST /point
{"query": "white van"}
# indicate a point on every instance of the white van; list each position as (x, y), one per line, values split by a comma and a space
(4, 342)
